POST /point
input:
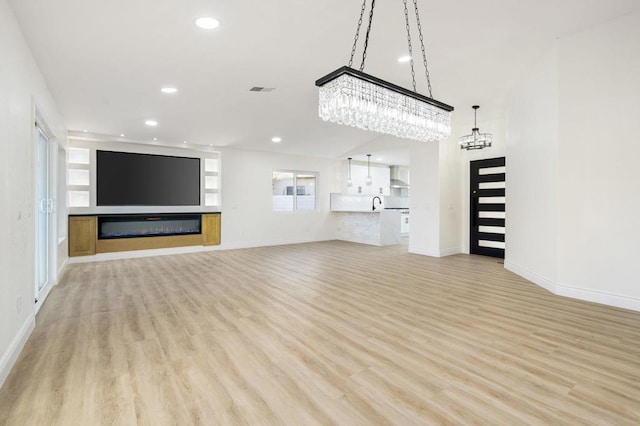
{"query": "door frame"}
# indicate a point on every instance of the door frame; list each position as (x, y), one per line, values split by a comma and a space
(40, 125)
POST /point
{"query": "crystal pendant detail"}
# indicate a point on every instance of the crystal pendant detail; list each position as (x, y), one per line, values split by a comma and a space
(355, 102)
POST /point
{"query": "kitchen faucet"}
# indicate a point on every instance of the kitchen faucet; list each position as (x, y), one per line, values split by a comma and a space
(373, 203)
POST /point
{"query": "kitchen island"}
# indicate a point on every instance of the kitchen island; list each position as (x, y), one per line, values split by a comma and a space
(359, 222)
(378, 228)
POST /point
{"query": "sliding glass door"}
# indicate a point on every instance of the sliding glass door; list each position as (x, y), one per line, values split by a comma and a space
(43, 210)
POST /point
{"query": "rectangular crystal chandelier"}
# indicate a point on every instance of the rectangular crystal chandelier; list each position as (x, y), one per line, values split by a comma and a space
(353, 98)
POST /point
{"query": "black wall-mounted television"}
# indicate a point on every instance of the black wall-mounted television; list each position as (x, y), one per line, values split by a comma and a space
(130, 179)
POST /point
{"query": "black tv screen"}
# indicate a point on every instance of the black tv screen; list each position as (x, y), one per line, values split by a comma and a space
(128, 179)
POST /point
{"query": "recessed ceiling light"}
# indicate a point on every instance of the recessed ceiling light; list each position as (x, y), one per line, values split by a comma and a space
(151, 123)
(155, 139)
(122, 135)
(184, 141)
(207, 23)
(210, 144)
(168, 90)
(404, 59)
(276, 139)
(85, 130)
(379, 159)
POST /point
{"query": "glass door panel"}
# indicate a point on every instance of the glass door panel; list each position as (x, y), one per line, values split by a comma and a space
(43, 206)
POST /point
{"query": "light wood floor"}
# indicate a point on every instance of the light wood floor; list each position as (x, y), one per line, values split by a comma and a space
(322, 333)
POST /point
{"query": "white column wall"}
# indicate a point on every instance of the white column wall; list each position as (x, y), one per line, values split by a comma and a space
(531, 152)
(450, 200)
(22, 89)
(424, 235)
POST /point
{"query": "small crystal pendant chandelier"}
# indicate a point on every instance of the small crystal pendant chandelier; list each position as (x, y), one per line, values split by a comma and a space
(475, 140)
(351, 97)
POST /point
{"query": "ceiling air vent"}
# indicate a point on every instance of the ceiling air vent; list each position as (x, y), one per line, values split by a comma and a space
(262, 89)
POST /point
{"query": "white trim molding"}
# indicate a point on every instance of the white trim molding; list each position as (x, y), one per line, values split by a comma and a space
(450, 251)
(603, 297)
(588, 295)
(10, 357)
(44, 293)
(47, 289)
(255, 244)
(62, 268)
(119, 255)
(539, 280)
(100, 257)
(425, 251)
(432, 252)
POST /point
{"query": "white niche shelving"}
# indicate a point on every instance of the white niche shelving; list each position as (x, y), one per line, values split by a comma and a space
(212, 180)
(78, 177)
(81, 185)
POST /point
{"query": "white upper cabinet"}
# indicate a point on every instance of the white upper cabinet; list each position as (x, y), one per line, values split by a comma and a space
(380, 178)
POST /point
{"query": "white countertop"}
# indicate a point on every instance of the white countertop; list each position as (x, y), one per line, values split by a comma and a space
(356, 211)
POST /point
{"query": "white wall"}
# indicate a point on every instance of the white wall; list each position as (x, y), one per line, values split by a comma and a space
(450, 200)
(424, 235)
(531, 195)
(572, 193)
(22, 88)
(247, 216)
(598, 174)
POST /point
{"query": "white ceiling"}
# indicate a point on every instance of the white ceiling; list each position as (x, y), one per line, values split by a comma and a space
(105, 62)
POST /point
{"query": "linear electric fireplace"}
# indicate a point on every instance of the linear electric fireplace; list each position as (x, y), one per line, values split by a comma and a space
(136, 226)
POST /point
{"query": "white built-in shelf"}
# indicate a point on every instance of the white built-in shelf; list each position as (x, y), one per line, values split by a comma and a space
(78, 177)
(79, 156)
(212, 181)
(81, 182)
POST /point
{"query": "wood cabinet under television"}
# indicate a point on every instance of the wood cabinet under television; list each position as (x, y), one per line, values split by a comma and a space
(211, 229)
(82, 235)
(91, 234)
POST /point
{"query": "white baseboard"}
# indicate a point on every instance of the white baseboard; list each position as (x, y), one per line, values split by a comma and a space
(433, 252)
(267, 243)
(10, 357)
(43, 295)
(424, 251)
(45, 292)
(369, 243)
(450, 251)
(602, 297)
(101, 257)
(531, 276)
(62, 268)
